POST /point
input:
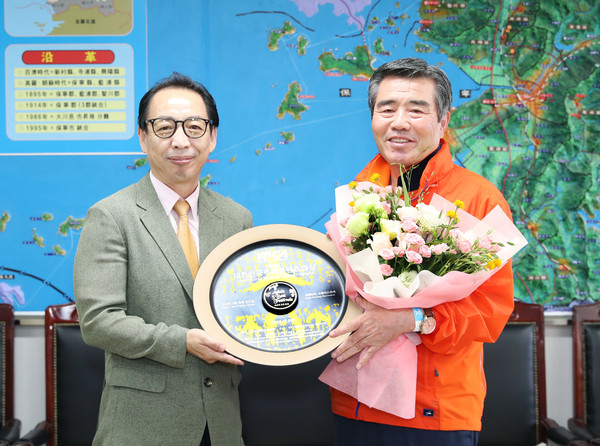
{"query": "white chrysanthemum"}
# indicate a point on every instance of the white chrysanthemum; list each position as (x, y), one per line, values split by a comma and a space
(428, 217)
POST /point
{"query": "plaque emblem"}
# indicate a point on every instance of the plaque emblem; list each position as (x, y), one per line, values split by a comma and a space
(280, 298)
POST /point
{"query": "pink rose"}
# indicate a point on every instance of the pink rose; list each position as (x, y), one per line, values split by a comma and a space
(464, 246)
(413, 239)
(485, 242)
(409, 225)
(386, 269)
(439, 248)
(386, 253)
(414, 257)
(425, 251)
(398, 251)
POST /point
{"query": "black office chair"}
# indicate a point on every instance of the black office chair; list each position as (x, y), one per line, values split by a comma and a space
(10, 427)
(586, 372)
(286, 405)
(515, 406)
(74, 381)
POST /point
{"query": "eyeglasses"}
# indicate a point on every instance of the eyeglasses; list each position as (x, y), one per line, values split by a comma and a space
(166, 127)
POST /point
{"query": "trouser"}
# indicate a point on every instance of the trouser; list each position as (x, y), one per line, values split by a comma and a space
(350, 432)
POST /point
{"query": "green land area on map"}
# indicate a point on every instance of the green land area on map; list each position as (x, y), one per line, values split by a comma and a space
(291, 104)
(533, 132)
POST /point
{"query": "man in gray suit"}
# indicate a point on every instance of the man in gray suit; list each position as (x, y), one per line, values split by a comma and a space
(166, 380)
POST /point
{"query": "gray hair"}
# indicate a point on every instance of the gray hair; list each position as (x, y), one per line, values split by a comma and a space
(414, 68)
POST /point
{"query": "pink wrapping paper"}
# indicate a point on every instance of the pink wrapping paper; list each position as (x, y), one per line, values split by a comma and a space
(388, 380)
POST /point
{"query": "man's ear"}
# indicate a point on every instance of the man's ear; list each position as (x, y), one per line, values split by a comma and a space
(445, 122)
(142, 137)
(213, 139)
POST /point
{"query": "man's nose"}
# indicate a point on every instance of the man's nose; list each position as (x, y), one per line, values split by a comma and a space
(180, 139)
(400, 120)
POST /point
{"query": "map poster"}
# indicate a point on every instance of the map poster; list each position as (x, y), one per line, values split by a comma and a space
(290, 80)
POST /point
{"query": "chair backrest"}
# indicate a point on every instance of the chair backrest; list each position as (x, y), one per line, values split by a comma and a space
(74, 379)
(286, 405)
(7, 337)
(586, 365)
(515, 372)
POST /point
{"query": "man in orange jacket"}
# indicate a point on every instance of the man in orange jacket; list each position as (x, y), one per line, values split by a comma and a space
(410, 110)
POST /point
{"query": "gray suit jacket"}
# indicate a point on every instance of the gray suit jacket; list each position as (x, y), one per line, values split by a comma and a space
(133, 290)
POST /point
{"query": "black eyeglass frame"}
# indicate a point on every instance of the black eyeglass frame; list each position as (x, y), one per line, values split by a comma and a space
(151, 121)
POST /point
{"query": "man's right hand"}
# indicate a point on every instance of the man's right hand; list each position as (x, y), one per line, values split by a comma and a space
(200, 344)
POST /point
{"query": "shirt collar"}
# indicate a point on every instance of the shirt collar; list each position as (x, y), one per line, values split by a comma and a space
(168, 197)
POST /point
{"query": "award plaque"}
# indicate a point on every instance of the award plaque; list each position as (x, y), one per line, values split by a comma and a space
(273, 293)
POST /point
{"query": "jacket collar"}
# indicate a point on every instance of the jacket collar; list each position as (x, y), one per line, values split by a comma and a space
(438, 167)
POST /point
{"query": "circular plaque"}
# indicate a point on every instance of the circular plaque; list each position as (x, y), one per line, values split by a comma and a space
(273, 293)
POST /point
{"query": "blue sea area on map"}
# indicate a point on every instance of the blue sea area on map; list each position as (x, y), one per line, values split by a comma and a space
(31, 18)
(76, 182)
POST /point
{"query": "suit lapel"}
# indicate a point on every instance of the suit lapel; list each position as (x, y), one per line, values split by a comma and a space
(210, 224)
(156, 222)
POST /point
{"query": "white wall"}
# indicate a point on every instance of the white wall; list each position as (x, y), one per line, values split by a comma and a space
(30, 387)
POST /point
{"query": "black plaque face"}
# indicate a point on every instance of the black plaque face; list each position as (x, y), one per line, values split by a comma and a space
(280, 298)
(273, 295)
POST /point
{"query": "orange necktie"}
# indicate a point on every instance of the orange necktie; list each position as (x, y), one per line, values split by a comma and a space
(185, 236)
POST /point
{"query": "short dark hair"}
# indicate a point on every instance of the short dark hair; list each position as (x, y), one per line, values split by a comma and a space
(178, 80)
(413, 67)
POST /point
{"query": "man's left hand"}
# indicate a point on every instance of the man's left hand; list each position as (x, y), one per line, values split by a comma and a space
(371, 331)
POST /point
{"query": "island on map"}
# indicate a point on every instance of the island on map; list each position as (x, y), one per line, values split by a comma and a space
(288, 136)
(58, 250)
(205, 180)
(276, 35)
(37, 239)
(379, 49)
(302, 43)
(70, 223)
(4, 219)
(356, 64)
(291, 104)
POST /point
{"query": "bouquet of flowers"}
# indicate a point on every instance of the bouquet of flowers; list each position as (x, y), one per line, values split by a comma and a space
(402, 256)
(405, 240)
